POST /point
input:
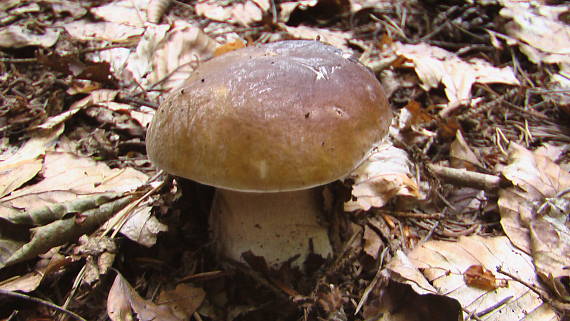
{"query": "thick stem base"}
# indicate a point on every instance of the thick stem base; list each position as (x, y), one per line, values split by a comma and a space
(276, 226)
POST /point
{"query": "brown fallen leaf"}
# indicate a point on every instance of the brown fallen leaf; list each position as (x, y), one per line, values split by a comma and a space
(183, 47)
(372, 242)
(384, 175)
(26, 162)
(124, 304)
(18, 37)
(183, 301)
(438, 267)
(435, 66)
(461, 155)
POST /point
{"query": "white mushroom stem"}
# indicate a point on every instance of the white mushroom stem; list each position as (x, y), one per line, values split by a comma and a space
(276, 226)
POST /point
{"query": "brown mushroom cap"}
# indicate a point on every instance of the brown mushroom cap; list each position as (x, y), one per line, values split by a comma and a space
(282, 116)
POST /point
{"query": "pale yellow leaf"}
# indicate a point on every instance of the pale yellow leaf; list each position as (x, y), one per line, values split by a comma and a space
(125, 304)
(26, 162)
(443, 264)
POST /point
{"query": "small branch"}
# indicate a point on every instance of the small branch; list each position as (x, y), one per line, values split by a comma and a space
(465, 178)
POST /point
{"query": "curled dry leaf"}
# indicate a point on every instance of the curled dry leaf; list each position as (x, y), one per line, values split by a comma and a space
(440, 267)
(124, 304)
(479, 277)
(178, 54)
(335, 38)
(142, 227)
(103, 30)
(534, 215)
(183, 300)
(245, 13)
(124, 12)
(435, 66)
(461, 154)
(156, 9)
(17, 37)
(384, 175)
(62, 231)
(544, 37)
(26, 162)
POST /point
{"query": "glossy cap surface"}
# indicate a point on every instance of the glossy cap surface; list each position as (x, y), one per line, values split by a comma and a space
(282, 116)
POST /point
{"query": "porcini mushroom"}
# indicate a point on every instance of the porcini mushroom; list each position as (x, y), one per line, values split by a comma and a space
(266, 125)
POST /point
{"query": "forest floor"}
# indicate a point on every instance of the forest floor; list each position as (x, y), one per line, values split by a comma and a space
(464, 214)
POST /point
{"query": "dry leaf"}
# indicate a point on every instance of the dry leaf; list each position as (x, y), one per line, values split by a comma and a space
(334, 38)
(156, 9)
(534, 216)
(125, 12)
(104, 31)
(461, 155)
(184, 300)
(384, 175)
(245, 13)
(438, 267)
(435, 66)
(139, 63)
(479, 277)
(179, 53)
(142, 227)
(59, 232)
(67, 176)
(542, 36)
(372, 242)
(124, 304)
(536, 178)
(17, 37)
(26, 162)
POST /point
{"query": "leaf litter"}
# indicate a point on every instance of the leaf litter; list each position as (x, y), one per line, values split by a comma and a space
(457, 86)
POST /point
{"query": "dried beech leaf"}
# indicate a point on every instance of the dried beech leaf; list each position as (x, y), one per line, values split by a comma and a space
(18, 37)
(535, 178)
(124, 304)
(125, 12)
(384, 175)
(184, 300)
(156, 9)
(533, 216)
(435, 66)
(139, 63)
(443, 264)
(244, 13)
(230, 46)
(461, 154)
(335, 38)
(67, 176)
(142, 227)
(26, 162)
(372, 242)
(541, 34)
(179, 53)
(104, 30)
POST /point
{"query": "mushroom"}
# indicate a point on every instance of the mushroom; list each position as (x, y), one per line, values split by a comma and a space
(267, 125)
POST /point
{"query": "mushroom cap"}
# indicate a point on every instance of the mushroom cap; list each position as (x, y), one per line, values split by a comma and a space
(282, 116)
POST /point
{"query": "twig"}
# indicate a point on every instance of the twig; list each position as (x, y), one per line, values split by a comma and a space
(434, 216)
(40, 301)
(373, 283)
(465, 178)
